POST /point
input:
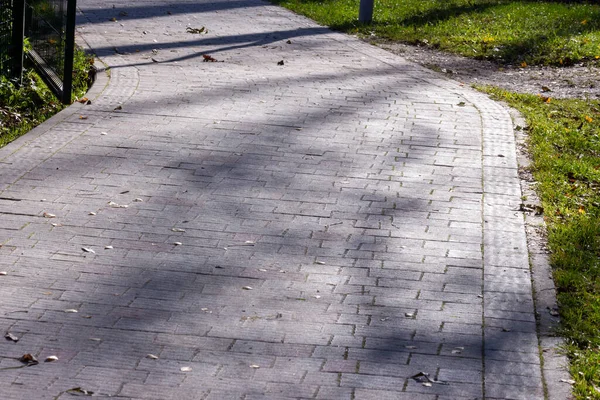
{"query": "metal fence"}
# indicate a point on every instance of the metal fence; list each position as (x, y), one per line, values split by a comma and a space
(49, 26)
(7, 51)
(5, 36)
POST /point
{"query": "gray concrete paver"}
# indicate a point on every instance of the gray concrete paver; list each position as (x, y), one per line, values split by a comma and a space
(326, 228)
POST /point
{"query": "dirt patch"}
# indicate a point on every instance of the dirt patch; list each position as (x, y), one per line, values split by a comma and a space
(578, 81)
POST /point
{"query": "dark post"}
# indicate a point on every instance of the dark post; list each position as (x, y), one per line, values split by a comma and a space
(18, 36)
(69, 52)
(365, 11)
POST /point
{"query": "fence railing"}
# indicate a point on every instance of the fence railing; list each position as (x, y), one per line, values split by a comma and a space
(11, 51)
(49, 26)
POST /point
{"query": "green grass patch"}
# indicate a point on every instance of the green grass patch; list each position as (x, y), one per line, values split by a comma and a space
(509, 32)
(564, 141)
(22, 107)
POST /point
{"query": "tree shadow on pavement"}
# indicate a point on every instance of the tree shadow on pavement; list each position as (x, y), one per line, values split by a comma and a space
(272, 257)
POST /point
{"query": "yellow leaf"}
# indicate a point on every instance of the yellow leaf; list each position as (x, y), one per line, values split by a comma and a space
(581, 210)
(588, 118)
(584, 22)
(523, 64)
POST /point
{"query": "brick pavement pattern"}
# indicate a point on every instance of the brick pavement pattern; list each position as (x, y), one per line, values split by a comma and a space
(307, 217)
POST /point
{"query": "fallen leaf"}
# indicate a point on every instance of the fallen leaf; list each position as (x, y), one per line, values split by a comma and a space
(103, 133)
(71, 310)
(48, 215)
(108, 247)
(28, 359)
(152, 357)
(249, 242)
(289, 42)
(87, 250)
(79, 392)
(546, 89)
(123, 13)
(280, 62)
(91, 213)
(51, 359)
(83, 117)
(117, 108)
(138, 200)
(10, 336)
(247, 287)
(319, 262)
(115, 205)
(195, 30)
(409, 315)
(177, 230)
(185, 369)
(461, 104)
(208, 58)
(425, 380)
(177, 243)
(83, 100)
(569, 381)
(3, 273)
(421, 377)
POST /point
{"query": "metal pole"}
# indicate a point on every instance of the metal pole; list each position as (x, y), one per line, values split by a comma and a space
(69, 52)
(365, 11)
(18, 36)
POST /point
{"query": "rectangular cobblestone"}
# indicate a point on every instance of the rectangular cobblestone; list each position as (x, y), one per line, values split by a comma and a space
(297, 231)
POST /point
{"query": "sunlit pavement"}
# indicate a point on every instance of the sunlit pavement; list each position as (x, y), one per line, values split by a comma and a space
(259, 208)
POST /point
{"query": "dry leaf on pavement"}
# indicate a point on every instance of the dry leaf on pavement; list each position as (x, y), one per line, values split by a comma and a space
(10, 336)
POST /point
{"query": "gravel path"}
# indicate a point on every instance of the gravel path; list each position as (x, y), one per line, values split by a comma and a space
(579, 81)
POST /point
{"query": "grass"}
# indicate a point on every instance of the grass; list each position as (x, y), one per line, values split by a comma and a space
(510, 32)
(26, 106)
(564, 140)
(564, 135)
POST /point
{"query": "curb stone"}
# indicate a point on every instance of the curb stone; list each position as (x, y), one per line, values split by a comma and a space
(555, 362)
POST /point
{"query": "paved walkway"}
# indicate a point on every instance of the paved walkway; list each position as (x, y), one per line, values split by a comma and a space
(328, 228)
